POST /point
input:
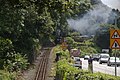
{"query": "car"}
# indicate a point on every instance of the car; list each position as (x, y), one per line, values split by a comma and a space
(77, 62)
(111, 61)
(86, 57)
(75, 52)
(95, 57)
(103, 58)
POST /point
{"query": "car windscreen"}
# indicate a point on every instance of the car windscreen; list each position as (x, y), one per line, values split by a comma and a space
(95, 56)
(77, 59)
(104, 56)
(114, 58)
(86, 56)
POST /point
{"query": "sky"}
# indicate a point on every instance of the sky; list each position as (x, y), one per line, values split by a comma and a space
(115, 4)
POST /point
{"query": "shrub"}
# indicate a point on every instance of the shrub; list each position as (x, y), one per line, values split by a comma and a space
(5, 75)
(5, 48)
(9, 58)
(96, 76)
(65, 71)
(16, 62)
(70, 41)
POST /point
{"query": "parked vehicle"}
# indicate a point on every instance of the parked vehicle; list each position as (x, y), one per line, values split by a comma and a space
(77, 62)
(95, 57)
(111, 61)
(75, 52)
(86, 57)
(103, 58)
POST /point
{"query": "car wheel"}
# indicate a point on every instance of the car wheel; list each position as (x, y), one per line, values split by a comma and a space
(108, 65)
(80, 67)
(100, 62)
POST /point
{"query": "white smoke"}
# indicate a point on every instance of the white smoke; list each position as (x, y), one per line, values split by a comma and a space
(114, 4)
(91, 21)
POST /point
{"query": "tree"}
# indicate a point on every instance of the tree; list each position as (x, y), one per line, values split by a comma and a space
(31, 23)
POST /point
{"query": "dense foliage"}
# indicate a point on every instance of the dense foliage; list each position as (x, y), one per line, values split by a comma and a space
(4, 75)
(65, 70)
(27, 25)
(9, 58)
(86, 45)
(30, 24)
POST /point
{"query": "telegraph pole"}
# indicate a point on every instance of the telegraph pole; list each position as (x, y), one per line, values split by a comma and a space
(115, 64)
(115, 50)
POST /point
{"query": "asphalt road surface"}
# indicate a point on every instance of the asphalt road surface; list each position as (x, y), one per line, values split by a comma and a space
(103, 68)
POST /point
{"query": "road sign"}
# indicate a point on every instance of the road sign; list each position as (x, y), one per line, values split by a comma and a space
(115, 34)
(115, 45)
(115, 39)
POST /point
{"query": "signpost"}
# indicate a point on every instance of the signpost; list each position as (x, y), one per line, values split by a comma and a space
(115, 39)
(115, 43)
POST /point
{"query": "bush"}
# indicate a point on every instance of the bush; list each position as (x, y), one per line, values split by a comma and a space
(87, 50)
(6, 47)
(70, 41)
(16, 62)
(64, 54)
(9, 58)
(96, 76)
(5, 75)
(65, 71)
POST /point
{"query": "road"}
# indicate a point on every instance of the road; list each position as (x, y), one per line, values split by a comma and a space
(101, 67)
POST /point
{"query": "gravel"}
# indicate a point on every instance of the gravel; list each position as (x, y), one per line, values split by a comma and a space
(31, 72)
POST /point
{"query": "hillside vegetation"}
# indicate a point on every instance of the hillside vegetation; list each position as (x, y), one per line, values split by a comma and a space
(28, 25)
(66, 71)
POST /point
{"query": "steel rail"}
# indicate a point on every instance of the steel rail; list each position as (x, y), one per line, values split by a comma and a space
(42, 67)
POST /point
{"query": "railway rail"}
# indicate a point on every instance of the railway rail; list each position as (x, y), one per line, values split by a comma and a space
(42, 68)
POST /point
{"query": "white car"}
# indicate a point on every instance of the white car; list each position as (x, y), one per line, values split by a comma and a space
(77, 62)
(103, 58)
(111, 61)
(86, 57)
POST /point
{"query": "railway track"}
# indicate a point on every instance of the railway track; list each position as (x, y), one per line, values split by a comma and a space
(42, 68)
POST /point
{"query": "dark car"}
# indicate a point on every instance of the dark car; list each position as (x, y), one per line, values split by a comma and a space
(95, 57)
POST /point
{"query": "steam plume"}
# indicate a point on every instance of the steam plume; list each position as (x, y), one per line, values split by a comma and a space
(91, 21)
(112, 3)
